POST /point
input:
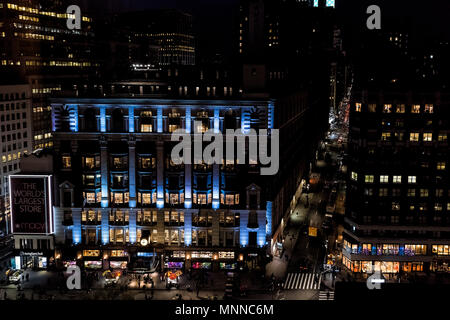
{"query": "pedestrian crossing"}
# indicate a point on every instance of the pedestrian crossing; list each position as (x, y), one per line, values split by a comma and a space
(302, 281)
(326, 295)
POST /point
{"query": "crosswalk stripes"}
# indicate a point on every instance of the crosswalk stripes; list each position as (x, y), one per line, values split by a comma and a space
(326, 295)
(302, 281)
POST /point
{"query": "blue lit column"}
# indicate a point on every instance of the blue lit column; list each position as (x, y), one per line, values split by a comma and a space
(187, 228)
(132, 225)
(261, 232)
(159, 119)
(216, 120)
(102, 118)
(105, 226)
(76, 228)
(131, 119)
(245, 120)
(270, 121)
(73, 114)
(188, 186)
(243, 232)
(160, 174)
(188, 120)
(104, 171)
(216, 187)
(132, 171)
(269, 218)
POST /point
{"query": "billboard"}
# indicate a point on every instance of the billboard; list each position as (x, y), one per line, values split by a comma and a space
(31, 206)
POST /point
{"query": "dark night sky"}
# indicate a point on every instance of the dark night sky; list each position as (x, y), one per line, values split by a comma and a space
(214, 19)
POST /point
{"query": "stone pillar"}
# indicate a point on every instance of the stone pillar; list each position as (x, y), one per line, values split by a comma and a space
(215, 228)
(160, 227)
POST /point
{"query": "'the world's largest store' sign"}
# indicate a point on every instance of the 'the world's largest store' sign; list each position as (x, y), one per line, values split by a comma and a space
(31, 207)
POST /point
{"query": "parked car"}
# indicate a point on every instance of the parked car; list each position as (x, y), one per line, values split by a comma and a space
(16, 276)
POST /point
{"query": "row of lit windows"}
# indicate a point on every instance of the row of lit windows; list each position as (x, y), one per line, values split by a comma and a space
(28, 18)
(384, 178)
(35, 36)
(42, 109)
(12, 157)
(395, 179)
(413, 136)
(45, 90)
(42, 136)
(45, 13)
(400, 108)
(59, 63)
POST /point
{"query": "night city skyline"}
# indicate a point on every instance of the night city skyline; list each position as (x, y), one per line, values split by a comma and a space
(235, 153)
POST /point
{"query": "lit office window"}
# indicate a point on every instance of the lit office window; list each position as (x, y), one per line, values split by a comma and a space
(354, 176)
(427, 137)
(66, 162)
(358, 107)
(397, 179)
(441, 165)
(414, 136)
(400, 108)
(387, 108)
(429, 108)
(412, 179)
(369, 179)
(146, 128)
(415, 108)
(384, 179)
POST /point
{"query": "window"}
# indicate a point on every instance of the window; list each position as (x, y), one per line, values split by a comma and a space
(354, 176)
(427, 136)
(442, 137)
(412, 179)
(442, 250)
(414, 136)
(397, 179)
(384, 179)
(358, 107)
(400, 108)
(387, 108)
(386, 136)
(66, 162)
(369, 178)
(428, 108)
(395, 206)
(372, 107)
(440, 166)
(415, 108)
(424, 192)
(411, 192)
(146, 128)
(383, 192)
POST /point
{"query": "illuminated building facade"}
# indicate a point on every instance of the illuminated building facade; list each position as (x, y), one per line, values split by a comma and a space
(16, 137)
(398, 196)
(36, 43)
(119, 190)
